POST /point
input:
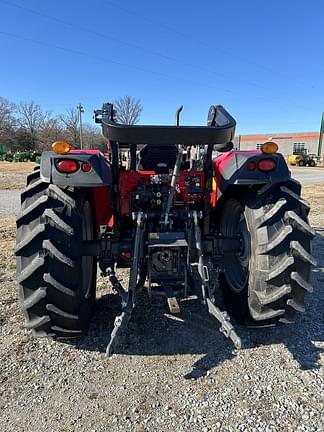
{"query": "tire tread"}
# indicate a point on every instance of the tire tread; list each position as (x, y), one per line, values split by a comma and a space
(48, 229)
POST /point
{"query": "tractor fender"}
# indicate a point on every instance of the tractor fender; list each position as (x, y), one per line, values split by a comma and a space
(99, 174)
(231, 168)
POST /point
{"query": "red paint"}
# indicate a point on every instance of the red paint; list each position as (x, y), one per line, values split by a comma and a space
(213, 199)
(222, 160)
(128, 183)
(219, 165)
(251, 166)
(87, 151)
(130, 180)
(183, 195)
(103, 205)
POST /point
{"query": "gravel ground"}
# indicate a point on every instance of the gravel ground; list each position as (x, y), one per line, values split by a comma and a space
(169, 374)
(9, 202)
(13, 175)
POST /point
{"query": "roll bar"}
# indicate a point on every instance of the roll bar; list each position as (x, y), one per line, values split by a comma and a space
(219, 132)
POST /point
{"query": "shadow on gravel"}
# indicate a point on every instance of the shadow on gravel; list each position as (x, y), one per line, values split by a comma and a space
(152, 331)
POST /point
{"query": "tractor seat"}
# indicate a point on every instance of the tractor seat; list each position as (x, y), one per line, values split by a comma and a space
(160, 159)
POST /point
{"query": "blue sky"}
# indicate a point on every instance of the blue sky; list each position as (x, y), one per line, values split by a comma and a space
(262, 60)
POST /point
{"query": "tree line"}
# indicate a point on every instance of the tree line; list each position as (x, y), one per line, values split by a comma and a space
(27, 126)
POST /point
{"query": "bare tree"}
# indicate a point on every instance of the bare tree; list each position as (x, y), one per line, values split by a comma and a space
(27, 126)
(7, 120)
(50, 131)
(92, 137)
(128, 110)
(70, 121)
(30, 118)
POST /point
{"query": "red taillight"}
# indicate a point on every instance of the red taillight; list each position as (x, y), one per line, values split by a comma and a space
(251, 166)
(68, 166)
(86, 167)
(266, 164)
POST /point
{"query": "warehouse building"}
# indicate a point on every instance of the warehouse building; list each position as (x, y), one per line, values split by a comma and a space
(287, 142)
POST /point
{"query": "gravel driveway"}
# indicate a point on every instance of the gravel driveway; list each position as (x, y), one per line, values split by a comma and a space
(9, 201)
(169, 374)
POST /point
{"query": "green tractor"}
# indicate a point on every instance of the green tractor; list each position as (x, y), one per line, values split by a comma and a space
(3, 151)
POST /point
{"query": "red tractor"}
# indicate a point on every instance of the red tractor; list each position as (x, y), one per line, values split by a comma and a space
(235, 223)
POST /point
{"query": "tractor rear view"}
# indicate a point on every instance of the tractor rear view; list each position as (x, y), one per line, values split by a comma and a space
(235, 223)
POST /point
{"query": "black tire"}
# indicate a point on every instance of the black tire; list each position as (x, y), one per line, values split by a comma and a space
(301, 163)
(312, 163)
(275, 270)
(57, 286)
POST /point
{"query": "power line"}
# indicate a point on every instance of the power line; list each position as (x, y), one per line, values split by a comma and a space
(234, 56)
(166, 57)
(129, 66)
(110, 60)
(102, 35)
(131, 44)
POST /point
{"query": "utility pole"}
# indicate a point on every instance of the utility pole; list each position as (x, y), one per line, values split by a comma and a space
(81, 110)
(320, 141)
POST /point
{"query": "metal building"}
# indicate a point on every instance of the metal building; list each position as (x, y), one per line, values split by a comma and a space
(287, 142)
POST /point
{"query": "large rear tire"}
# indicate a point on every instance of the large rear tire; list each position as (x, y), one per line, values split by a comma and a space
(266, 282)
(57, 285)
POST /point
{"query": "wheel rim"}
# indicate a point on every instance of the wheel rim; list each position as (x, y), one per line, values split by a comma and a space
(87, 261)
(233, 224)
